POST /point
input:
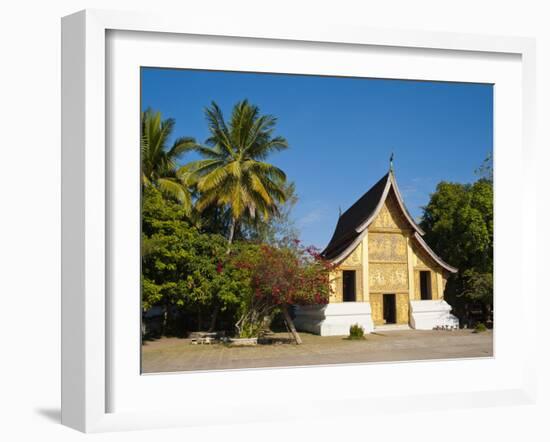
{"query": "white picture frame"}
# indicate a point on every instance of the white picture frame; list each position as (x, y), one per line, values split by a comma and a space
(87, 353)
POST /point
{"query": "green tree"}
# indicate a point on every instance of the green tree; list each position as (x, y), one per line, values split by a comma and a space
(233, 174)
(159, 166)
(458, 221)
(184, 268)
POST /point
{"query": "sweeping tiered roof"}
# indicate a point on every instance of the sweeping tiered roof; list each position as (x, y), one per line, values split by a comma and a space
(353, 223)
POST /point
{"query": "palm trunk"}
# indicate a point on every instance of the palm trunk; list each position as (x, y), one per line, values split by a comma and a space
(231, 234)
(217, 306)
(290, 324)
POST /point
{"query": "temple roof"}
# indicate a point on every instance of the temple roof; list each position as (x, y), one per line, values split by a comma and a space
(345, 232)
(353, 223)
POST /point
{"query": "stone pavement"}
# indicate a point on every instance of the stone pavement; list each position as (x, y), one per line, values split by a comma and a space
(174, 354)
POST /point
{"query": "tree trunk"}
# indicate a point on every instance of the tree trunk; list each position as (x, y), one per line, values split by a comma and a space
(290, 324)
(231, 234)
(164, 322)
(167, 318)
(214, 318)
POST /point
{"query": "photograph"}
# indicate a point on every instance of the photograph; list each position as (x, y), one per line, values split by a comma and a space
(305, 220)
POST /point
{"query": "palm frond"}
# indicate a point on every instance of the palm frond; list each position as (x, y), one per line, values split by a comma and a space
(260, 129)
(220, 134)
(175, 190)
(212, 180)
(266, 169)
(209, 152)
(158, 164)
(206, 200)
(181, 146)
(259, 188)
(266, 146)
(202, 167)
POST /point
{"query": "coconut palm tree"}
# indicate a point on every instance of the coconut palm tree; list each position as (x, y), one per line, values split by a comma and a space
(233, 174)
(159, 166)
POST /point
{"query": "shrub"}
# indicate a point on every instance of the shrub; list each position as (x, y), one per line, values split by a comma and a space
(356, 332)
(253, 330)
(281, 277)
(480, 327)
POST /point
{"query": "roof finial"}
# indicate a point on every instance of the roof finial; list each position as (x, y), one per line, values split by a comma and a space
(391, 162)
(339, 211)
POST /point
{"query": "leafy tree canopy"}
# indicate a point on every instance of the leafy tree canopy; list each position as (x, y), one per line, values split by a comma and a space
(180, 265)
(458, 221)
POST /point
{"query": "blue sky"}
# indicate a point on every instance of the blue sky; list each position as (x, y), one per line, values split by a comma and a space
(341, 132)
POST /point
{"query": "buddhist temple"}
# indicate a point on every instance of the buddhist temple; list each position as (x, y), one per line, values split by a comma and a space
(386, 275)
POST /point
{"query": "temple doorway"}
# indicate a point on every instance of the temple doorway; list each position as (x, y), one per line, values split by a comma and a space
(389, 308)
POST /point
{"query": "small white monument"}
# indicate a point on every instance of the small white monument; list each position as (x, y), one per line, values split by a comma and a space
(334, 319)
(426, 315)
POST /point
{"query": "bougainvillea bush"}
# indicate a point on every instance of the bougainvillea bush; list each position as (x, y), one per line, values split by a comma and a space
(281, 277)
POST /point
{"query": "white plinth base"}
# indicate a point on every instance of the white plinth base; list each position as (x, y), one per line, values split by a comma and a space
(425, 315)
(334, 319)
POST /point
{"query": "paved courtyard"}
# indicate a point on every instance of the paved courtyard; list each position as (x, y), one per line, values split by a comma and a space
(174, 354)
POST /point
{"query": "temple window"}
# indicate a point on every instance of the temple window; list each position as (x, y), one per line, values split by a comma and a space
(425, 285)
(349, 285)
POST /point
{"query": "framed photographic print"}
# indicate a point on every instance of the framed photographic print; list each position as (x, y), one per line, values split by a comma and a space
(316, 213)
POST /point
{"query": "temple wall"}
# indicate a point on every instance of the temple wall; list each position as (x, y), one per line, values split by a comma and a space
(353, 262)
(423, 262)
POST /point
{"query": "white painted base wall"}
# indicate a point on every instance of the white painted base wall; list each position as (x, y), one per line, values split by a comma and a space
(333, 319)
(425, 315)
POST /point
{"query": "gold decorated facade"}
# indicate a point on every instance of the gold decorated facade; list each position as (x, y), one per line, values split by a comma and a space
(389, 265)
